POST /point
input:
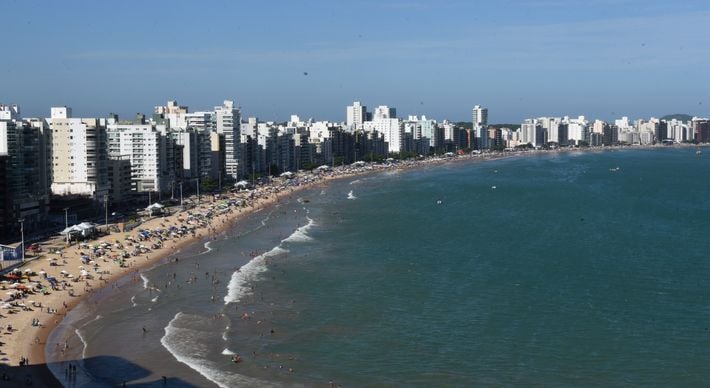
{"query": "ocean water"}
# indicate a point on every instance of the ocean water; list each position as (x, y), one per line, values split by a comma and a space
(552, 269)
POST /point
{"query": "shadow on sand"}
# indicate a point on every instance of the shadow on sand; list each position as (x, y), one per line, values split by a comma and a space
(106, 371)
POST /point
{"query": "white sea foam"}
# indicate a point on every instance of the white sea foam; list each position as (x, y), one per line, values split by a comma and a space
(351, 195)
(238, 284)
(228, 352)
(133, 300)
(155, 299)
(184, 339)
(145, 281)
(322, 192)
(83, 342)
(356, 181)
(207, 247)
(248, 272)
(300, 234)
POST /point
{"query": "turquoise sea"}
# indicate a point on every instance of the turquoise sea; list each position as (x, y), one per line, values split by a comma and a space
(553, 269)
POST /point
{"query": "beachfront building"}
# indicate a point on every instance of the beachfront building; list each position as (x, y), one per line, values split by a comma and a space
(557, 130)
(532, 132)
(392, 130)
(679, 131)
(423, 134)
(356, 114)
(701, 129)
(610, 135)
(479, 120)
(196, 151)
(78, 155)
(120, 178)
(154, 155)
(6, 218)
(24, 171)
(226, 121)
(577, 130)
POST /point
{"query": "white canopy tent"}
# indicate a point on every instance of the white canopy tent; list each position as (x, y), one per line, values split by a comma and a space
(85, 229)
(241, 185)
(156, 207)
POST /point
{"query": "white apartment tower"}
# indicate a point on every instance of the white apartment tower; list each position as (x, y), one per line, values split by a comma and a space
(148, 150)
(176, 114)
(480, 122)
(226, 121)
(384, 112)
(480, 116)
(79, 160)
(356, 114)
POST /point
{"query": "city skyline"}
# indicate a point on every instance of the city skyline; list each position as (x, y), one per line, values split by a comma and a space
(601, 59)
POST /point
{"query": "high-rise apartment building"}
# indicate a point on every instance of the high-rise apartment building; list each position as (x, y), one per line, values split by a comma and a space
(480, 116)
(356, 114)
(701, 129)
(23, 147)
(174, 113)
(153, 154)
(226, 121)
(78, 154)
(383, 112)
(479, 121)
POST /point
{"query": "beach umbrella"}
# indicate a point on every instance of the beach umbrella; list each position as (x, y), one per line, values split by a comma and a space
(42, 272)
(28, 270)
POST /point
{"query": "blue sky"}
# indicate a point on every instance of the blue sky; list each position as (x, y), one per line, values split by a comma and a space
(598, 58)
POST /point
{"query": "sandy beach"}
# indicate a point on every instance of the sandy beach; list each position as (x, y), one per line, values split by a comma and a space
(37, 308)
(45, 288)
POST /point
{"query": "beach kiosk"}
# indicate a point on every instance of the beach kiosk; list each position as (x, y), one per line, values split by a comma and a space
(241, 185)
(155, 208)
(11, 252)
(80, 231)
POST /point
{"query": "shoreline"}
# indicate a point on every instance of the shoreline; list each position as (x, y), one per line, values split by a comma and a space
(29, 341)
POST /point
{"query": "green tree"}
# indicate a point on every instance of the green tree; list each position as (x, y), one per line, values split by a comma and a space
(208, 184)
